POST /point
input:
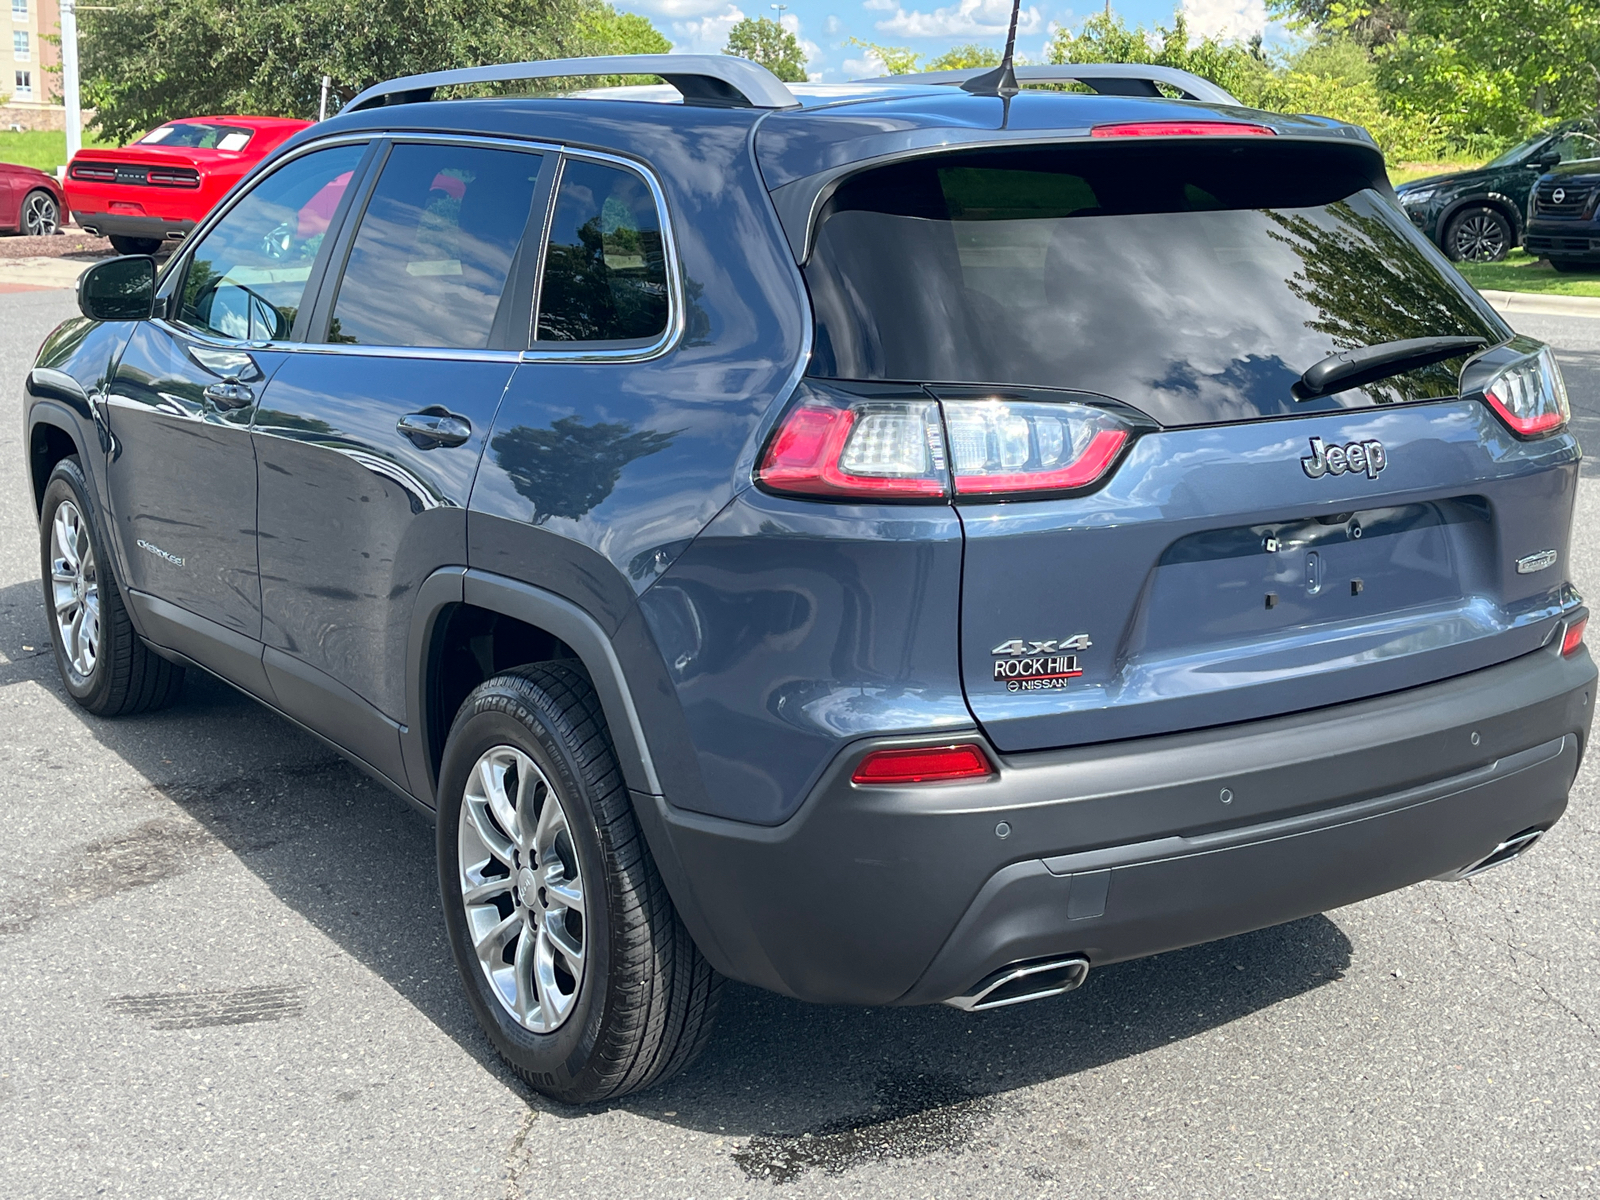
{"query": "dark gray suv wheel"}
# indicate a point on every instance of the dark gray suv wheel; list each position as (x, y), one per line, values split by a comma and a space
(1479, 234)
(574, 959)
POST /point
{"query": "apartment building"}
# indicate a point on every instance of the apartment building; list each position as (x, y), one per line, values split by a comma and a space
(30, 74)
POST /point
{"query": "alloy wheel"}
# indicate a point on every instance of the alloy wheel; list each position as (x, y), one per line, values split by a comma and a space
(1480, 238)
(75, 588)
(40, 216)
(522, 889)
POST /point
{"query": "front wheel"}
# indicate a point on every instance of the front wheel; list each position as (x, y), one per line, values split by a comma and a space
(574, 959)
(134, 245)
(41, 215)
(1479, 234)
(104, 663)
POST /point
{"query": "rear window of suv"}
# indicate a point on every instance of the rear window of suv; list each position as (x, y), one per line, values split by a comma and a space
(1195, 282)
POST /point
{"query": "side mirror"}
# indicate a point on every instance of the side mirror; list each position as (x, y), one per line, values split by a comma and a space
(121, 289)
(1547, 160)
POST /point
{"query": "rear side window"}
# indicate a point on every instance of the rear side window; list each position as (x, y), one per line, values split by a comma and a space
(1193, 282)
(429, 264)
(605, 272)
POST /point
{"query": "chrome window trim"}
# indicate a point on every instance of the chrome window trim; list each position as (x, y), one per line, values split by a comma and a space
(676, 317)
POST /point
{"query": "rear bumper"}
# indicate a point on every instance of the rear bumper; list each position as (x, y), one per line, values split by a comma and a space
(126, 225)
(875, 895)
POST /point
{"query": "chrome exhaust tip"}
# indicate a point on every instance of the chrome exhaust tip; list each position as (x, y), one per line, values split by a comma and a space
(1022, 982)
(1514, 846)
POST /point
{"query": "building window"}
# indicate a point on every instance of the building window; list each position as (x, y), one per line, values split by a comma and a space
(19, 46)
(19, 10)
(24, 88)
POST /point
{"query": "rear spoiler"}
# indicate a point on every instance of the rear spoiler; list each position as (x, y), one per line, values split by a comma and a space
(1108, 79)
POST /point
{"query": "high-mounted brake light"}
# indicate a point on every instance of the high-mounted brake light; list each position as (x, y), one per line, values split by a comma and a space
(931, 764)
(1181, 129)
(1530, 395)
(1573, 637)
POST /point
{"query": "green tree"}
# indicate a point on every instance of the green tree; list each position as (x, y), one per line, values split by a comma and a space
(1239, 68)
(770, 44)
(962, 57)
(896, 60)
(148, 61)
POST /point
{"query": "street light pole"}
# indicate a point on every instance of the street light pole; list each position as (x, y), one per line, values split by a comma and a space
(69, 77)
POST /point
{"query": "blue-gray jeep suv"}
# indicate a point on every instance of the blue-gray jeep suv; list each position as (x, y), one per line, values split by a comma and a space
(889, 544)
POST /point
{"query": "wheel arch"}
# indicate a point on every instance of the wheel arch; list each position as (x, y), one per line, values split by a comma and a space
(470, 624)
(51, 438)
(1495, 200)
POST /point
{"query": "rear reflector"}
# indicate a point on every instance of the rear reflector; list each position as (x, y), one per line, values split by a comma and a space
(1573, 638)
(1181, 129)
(928, 764)
(1530, 395)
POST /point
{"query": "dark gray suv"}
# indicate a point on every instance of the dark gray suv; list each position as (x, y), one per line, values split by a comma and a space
(891, 543)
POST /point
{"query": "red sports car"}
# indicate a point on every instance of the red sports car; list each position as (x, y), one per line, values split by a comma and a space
(162, 185)
(30, 201)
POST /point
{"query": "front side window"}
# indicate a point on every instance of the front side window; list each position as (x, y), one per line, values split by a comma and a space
(430, 262)
(247, 276)
(198, 135)
(605, 272)
(1577, 146)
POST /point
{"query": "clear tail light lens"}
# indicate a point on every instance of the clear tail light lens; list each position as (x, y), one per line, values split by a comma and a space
(858, 449)
(1003, 447)
(1530, 395)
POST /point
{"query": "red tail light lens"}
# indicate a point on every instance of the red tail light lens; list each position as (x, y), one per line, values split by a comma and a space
(1004, 447)
(1530, 395)
(923, 765)
(1181, 129)
(1573, 638)
(866, 449)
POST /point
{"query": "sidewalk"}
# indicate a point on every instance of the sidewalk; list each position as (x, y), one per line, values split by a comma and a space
(1555, 306)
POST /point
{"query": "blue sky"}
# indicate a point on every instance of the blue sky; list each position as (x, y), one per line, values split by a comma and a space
(825, 27)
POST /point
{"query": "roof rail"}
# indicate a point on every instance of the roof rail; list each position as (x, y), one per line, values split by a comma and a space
(710, 80)
(1109, 79)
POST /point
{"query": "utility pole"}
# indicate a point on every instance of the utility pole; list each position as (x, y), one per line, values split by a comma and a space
(69, 77)
(322, 109)
(779, 9)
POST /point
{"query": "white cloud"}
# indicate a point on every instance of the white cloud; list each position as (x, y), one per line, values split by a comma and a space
(880, 5)
(868, 66)
(1226, 18)
(967, 18)
(831, 26)
(707, 35)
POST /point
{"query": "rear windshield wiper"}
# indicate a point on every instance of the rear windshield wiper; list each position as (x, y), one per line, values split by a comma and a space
(1367, 364)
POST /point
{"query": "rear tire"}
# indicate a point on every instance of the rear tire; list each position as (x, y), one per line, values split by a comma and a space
(133, 245)
(105, 665)
(1575, 266)
(1478, 234)
(575, 961)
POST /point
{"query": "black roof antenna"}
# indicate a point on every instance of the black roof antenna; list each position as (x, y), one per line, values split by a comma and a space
(1002, 81)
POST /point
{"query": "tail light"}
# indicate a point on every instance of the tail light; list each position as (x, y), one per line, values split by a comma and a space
(1181, 129)
(94, 172)
(893, 448)
(1530, 395)
(1000, 447)
(931, 764)
(849, 448)
(1573, 637)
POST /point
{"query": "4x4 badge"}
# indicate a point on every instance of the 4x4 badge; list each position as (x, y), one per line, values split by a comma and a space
(1336, 460)
(1036, 666)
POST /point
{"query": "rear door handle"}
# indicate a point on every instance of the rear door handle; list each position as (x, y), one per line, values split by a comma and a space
(435, 428)
(230, 394)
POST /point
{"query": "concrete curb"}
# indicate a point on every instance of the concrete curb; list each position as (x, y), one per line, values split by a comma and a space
(43, 272)
(1555, 306)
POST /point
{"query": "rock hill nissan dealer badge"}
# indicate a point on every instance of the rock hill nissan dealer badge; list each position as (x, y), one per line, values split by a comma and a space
(1027, 666)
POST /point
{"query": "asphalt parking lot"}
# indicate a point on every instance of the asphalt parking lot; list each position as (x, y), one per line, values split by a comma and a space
(223, 974)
